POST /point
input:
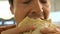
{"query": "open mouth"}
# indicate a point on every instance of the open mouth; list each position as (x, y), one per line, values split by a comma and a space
(34, 15)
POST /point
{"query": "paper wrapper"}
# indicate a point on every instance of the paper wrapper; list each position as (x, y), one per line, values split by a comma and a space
(38, 23)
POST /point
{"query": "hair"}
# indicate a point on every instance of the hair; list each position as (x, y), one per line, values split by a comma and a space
(11, 2)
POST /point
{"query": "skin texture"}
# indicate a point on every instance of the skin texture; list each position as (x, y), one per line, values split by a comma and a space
(3, 28)
(49, 30)
(33, 9)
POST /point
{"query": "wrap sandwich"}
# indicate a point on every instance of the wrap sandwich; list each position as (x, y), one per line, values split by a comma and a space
(38, 23)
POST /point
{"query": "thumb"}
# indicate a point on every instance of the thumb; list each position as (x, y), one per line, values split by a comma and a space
(47, 30)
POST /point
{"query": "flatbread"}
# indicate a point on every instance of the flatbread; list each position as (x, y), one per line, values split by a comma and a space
(38, 23)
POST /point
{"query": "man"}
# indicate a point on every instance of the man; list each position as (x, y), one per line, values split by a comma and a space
(33, 9)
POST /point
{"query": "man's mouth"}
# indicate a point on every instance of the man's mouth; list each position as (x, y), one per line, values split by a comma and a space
(35, 15)
(42, 17)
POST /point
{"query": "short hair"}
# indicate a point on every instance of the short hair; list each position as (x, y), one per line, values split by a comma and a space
(11, 2)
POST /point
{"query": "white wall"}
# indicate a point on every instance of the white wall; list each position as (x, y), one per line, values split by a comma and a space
(4, 10)
(55, 5)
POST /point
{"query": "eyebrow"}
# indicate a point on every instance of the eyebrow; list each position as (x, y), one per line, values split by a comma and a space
(28, 1)
(22, 0)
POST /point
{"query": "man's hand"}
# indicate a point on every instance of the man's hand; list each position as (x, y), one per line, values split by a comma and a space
(3, 28)
(19, 30)
(49, 30)
(26, 28)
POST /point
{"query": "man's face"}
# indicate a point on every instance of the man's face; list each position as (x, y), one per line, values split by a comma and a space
(32, 8)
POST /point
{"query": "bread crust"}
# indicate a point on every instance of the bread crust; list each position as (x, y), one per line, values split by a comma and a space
(38, 23)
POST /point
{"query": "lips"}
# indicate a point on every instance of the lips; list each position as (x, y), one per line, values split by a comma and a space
(36, 15)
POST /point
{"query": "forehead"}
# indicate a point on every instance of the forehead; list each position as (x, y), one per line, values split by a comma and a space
(29, 0)
(20, 0)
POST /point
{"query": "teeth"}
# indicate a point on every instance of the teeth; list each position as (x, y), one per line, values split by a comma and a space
(42, 18)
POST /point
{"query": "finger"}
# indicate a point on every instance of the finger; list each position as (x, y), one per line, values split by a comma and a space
(57, 33)
(54, 33)
(50, 33)
(47, 30)
(29, 27)
(57, 29)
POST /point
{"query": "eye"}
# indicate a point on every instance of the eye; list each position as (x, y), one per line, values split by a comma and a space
(27, 2)
(43, 1)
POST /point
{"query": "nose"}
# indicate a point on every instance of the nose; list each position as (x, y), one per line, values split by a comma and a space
(37, 7)
(36, 11)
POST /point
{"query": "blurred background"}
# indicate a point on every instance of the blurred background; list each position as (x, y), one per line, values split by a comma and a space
(6, 18)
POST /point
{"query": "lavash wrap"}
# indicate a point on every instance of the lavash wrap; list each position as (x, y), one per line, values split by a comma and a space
(36, 22)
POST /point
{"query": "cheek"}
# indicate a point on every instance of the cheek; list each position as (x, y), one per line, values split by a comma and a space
(20, 13)
(46, 12)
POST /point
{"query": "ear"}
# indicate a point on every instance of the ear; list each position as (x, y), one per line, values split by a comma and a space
(12, 9)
